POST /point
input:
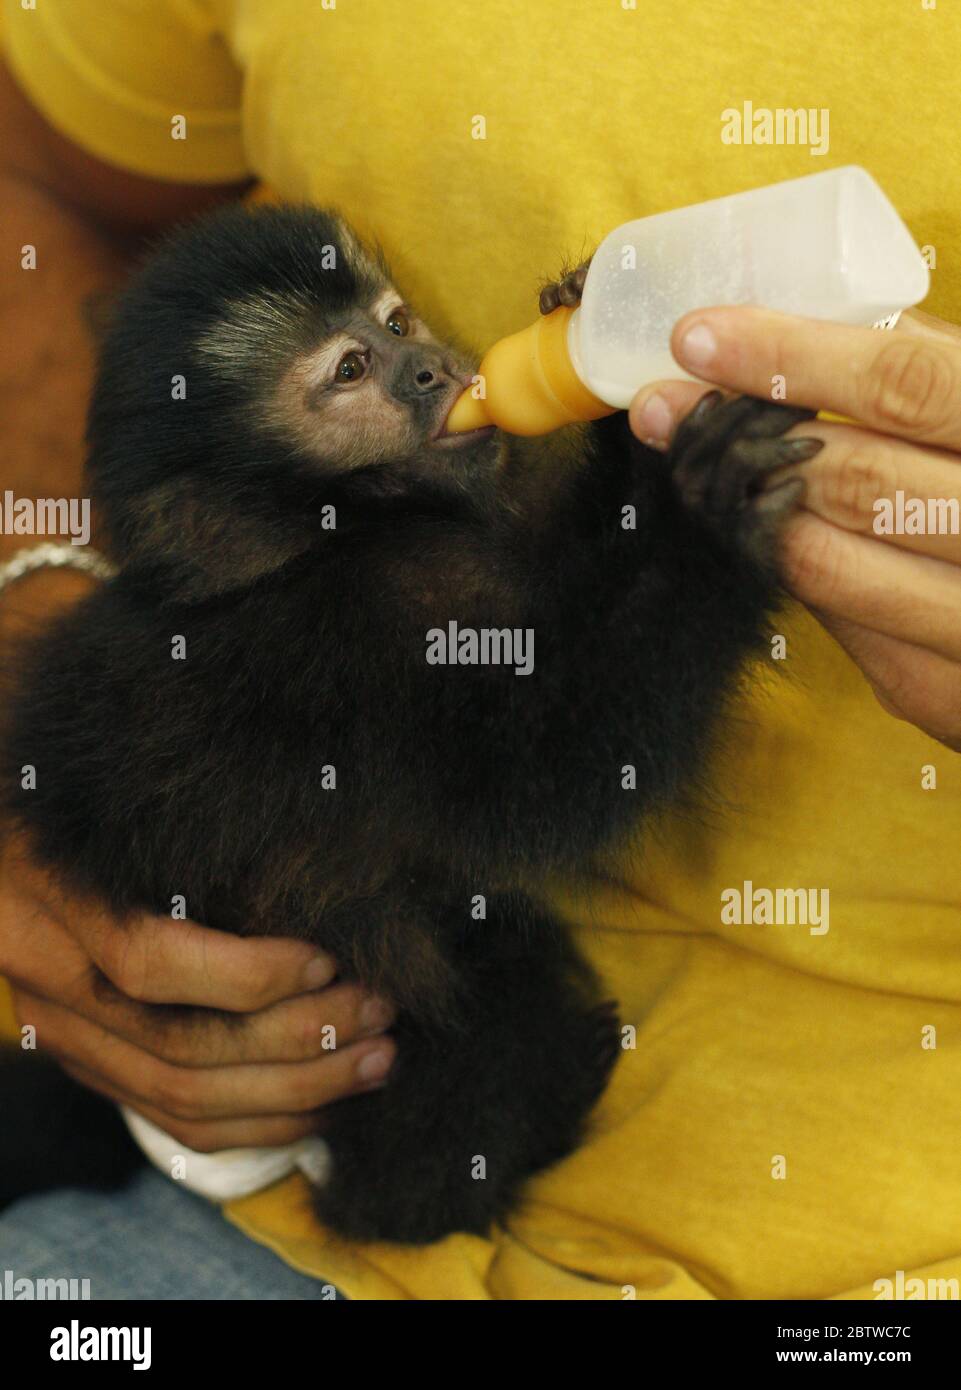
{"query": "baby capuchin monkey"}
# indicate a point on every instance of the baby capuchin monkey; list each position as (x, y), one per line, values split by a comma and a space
(252, 720)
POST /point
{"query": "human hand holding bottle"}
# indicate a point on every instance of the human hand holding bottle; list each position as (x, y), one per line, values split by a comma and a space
(892, 601)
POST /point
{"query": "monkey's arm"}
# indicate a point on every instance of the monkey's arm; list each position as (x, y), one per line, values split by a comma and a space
(645, 588)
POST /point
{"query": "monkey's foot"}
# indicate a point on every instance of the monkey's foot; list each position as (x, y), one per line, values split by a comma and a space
(567, 290)
(727, 459)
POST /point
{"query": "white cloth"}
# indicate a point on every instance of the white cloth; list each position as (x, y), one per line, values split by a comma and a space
(232, 1172)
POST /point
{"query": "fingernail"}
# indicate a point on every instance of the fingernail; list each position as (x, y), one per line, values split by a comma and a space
(698, 347)
(375, 1065)
(376, 1013)
(318, 972)
(655, 419)
(798, 450)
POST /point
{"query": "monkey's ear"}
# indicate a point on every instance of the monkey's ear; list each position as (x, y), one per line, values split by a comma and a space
(189, 541)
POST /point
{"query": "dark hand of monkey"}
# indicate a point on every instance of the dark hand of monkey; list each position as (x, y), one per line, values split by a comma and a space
(728, 458)
(732, 468)
(567, 290)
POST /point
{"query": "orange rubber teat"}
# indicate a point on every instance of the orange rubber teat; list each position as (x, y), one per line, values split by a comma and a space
(468, 413)
(531, 386)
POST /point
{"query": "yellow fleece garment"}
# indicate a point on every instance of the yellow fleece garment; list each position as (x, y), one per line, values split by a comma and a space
(786, 1125)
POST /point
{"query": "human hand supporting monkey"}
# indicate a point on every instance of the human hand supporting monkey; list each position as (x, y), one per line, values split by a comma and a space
(218, 1040)
(892, 601)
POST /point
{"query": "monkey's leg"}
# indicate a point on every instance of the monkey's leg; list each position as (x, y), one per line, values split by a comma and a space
(471, 1111)
(733, 470)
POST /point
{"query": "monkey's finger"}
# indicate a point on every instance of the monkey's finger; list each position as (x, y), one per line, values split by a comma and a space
(707, 432)
(206, 1093)
(911, 598)
(209, 1136)
(567, 290)
(572, 286)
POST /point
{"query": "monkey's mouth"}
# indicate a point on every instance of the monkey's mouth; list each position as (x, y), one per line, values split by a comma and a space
(456, 439)
(462, 437)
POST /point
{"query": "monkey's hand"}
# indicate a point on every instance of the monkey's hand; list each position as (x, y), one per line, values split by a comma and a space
(733, 470)
(567, 290)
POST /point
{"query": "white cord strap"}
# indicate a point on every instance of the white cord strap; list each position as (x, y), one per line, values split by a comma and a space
(51, 556)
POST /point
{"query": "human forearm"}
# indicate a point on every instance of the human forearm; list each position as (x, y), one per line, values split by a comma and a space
(46, 346)
(85, 221)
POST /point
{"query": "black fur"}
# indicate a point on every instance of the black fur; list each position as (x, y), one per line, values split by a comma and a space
(306, 648)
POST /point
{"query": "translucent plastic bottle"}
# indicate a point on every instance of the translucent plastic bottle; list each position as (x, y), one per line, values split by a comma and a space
(829, 245)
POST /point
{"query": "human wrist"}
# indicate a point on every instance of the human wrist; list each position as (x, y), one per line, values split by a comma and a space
(39, 597)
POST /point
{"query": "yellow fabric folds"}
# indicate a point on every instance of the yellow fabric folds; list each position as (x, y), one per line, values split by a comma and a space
(785, 1126)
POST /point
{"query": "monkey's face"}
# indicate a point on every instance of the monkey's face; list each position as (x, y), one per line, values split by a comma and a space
(259, 366)
(376, 388)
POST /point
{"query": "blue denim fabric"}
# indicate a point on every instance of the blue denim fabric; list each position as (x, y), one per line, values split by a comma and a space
(151, 1240)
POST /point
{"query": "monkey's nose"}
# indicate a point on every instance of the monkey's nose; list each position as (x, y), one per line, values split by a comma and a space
(427, 371)
(419, 373)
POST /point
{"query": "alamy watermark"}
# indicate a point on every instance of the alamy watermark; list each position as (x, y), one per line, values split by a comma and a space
(762, 907)
(762, 125)
(45, 516)
(483, 646)
(910, 1287)
(18, 1288)
(76, 1343)
(917, 516)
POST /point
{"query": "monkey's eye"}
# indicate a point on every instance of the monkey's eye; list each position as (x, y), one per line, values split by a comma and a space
(351, 367)
(398, 323)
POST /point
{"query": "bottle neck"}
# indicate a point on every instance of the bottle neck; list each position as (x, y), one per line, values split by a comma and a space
(574, 345)
(557, 350)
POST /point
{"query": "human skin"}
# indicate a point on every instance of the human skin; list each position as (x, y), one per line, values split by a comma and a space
(218, 1040)
(893, 602)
